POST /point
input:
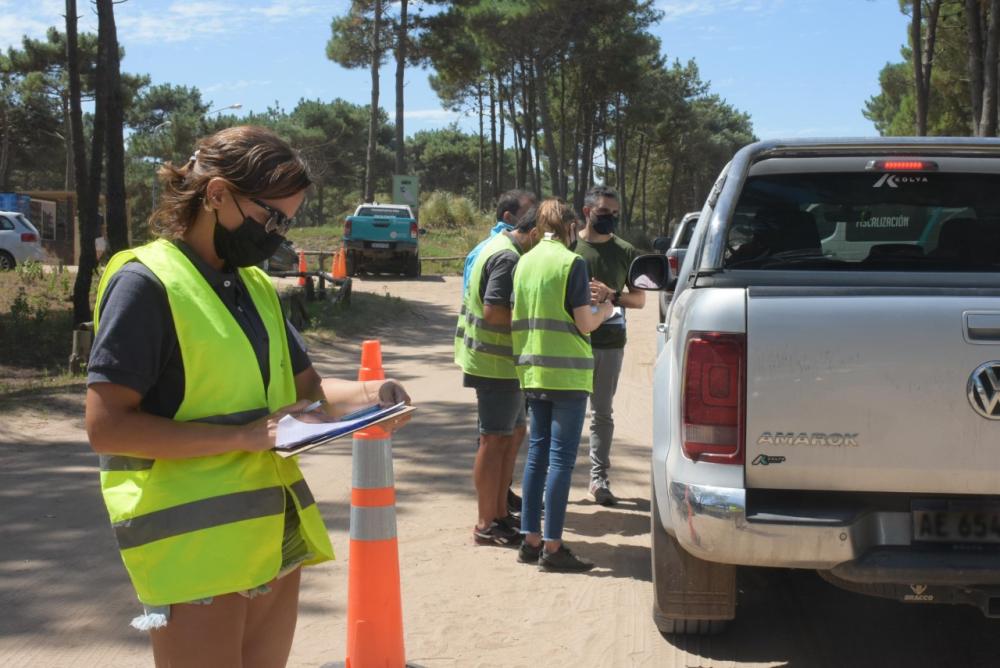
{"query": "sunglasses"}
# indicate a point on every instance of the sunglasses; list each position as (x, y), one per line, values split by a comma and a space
(276, 220)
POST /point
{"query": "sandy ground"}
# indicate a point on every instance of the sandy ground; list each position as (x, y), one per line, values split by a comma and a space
(65, 600)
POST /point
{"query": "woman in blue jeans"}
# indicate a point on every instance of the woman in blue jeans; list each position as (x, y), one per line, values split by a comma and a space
(552, 317)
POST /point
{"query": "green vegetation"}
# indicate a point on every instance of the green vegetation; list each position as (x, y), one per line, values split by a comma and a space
(36, 324)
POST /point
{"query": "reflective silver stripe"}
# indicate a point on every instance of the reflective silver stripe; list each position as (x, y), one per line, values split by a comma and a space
(547, 324)
(485, 326)
(242, 417)
(489, 348)
(303, 493)
(123, 463)
(372, 464)
(556, 362)
(373, 523)
(201, 514)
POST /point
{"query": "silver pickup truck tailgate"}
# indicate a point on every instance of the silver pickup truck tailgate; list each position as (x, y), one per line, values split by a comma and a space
(857, 389)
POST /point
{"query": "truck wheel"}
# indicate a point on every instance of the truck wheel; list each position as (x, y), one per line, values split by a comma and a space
(690, 596)
(351, 264)
(413, 266)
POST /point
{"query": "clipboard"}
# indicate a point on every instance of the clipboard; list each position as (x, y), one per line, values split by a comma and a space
(295, 436)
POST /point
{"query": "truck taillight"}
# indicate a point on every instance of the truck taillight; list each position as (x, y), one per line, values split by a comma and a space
(712, 402)
(347, 228)
(414, 230)
(674, 263)
(29, 237)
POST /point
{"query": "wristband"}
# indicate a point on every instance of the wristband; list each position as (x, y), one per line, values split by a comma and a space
(615, 297)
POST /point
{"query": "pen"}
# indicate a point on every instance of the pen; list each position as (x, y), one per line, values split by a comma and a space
(313, 406)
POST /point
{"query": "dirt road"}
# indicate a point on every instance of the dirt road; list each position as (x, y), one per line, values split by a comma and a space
(64, 599)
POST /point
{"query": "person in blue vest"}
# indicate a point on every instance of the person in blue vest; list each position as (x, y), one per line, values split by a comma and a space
(552, 317)
(192, 366)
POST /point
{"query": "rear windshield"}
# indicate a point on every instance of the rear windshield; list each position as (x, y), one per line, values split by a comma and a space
(383, 212)
(867, 221)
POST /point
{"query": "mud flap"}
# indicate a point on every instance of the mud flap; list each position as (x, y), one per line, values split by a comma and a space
(685, 587)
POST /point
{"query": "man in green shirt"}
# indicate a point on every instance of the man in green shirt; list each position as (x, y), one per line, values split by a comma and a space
(608, 260)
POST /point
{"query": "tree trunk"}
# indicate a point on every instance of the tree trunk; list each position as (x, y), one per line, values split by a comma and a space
(674, 170)
(916, 22)
(973, 18)
(69, 181)
(115, 204)
(373, 116)
(555, 164)
(88, 256)
(645, 173)
(99, 128)
(635, 181)
(494, 164)
(401, 45)
(482, 145)
(561, 192)
(519, 163)
(502, 150)
(988, 119)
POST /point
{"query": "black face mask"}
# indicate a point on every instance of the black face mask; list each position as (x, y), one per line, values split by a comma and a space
(247, 245)
(605, 223)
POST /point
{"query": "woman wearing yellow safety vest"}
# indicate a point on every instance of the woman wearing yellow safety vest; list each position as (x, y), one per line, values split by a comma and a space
(193, 365)
(552, 316)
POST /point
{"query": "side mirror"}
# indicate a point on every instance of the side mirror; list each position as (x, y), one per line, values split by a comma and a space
(661, 244)
(649, 272)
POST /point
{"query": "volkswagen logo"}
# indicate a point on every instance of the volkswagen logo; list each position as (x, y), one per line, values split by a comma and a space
(984, 390)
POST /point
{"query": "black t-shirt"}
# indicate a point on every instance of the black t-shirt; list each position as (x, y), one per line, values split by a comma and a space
(136, 344)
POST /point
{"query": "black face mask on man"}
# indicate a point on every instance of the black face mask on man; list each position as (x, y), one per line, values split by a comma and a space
(247, 245)
(604, 223)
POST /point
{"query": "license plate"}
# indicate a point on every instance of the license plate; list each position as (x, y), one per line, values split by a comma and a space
(956, 522)
(376, 244)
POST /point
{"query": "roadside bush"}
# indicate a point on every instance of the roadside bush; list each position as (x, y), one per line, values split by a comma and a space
(443, 210)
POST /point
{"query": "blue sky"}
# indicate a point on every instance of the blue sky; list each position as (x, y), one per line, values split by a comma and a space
(799, 67)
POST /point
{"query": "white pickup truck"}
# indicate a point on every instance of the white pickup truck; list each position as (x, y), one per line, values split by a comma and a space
(827, 389)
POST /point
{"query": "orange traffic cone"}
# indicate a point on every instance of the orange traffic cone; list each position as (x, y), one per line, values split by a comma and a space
(374, 605)
(302, 269)
(339, 268)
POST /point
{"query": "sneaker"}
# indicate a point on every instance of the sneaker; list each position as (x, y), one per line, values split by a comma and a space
(527, 554)
(563, 560)
(497, 533)
(513, 502)
(601, 492)
(512, 520)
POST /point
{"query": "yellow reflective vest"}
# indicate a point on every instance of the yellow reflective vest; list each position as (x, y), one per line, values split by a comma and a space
(550, 353)
(206, 526)
(482, 349)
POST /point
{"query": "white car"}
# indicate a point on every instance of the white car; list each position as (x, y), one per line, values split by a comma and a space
(19, 241)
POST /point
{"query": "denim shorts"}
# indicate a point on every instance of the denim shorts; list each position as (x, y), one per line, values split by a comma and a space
(500, 411)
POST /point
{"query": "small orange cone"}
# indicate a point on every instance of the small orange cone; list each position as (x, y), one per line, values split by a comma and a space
(374, 605)
(339, 268)
(302, 269)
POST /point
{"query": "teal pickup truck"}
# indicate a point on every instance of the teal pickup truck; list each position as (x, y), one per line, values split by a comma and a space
(382, 237)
